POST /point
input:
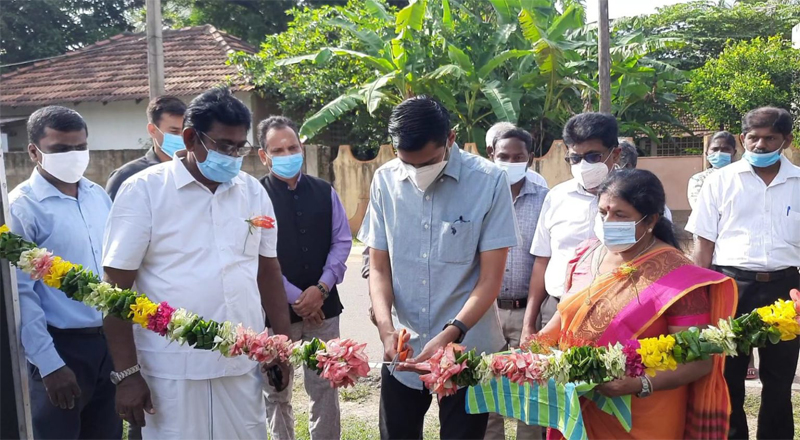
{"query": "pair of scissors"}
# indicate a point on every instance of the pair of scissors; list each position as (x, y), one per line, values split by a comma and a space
(402, 353)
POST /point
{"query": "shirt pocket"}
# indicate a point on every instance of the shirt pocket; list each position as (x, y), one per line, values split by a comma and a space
(791, 228)
(458, 242)
(248, 239)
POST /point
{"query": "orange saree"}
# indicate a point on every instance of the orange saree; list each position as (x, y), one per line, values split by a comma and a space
(661, 292)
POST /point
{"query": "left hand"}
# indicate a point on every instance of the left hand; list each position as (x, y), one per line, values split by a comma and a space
(444, 337)
(309, 302)
(620, 387)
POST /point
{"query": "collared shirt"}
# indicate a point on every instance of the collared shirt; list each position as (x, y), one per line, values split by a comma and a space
(122, 173)
(696, 184)
(566, 220)
(341, 242)
(73, 230)
(434, 239)
(536, 178)
(193, 249)
(519, 263)
(753, 226)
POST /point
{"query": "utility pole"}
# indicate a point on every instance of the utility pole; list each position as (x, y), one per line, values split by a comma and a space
(155, 49)
(603, 57)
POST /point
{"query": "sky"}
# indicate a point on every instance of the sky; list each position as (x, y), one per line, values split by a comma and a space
(627, 8)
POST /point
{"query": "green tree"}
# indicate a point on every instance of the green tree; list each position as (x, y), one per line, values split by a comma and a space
(707, 26)
(746, 75)
(34, 29)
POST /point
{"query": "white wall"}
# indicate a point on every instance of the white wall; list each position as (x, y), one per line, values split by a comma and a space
(796, 36)
(119, 125)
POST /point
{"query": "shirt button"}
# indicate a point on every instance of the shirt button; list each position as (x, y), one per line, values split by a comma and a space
(508, 270)
(426, 226)
(427, 197)
(424, 335)
(305, 249)
(299, 214)
(424, 281)
(302, 231)
(296, 197)
(424, 255)
(423, 310)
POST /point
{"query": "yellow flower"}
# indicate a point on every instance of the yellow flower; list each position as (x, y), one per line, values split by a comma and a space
(4, 229)
(781, 315)
(657, 354)
(142, 310)
(57, 272)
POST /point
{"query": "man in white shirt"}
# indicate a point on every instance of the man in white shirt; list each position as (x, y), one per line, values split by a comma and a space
(491, 139)
(568, 213)
(178, 231)
(748, 227)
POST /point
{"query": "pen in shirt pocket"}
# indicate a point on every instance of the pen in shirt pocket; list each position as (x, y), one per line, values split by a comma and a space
(789, 208)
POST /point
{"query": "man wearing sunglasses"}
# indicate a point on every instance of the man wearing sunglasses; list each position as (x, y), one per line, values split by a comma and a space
(568, 213)
(179, 231)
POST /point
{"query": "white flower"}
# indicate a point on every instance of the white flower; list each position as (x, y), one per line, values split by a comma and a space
(484, 370)
(614, 360)
(181, 319)
(225, 338)
(557, 367)
(97, 297)
(721, 335)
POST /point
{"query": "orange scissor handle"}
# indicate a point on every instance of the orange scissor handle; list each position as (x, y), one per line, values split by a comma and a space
(402, 353)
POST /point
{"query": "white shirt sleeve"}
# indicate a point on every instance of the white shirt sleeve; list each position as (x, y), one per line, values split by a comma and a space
(704, 220)
(128, 228)
(540, 246)
(269, 237)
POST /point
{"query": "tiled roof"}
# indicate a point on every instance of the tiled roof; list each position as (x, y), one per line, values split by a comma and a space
(116, 69)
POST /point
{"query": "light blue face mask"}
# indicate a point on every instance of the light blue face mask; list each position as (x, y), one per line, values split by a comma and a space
(219, 167)
(719, 159)
(287, 166)
(171, 143)
(762, 160)
(616, 236)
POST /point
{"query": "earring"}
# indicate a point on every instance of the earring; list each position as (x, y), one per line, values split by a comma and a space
(650, 230)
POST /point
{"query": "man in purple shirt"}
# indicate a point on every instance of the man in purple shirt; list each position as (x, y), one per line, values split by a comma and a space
(314, 242)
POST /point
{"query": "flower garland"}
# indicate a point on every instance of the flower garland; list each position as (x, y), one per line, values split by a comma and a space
(571, 359)
(341, 361)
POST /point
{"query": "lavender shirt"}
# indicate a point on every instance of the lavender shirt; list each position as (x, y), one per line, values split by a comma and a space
(336, 263)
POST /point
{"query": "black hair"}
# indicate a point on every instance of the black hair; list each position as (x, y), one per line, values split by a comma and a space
(642, 190)
(417, 121)
(775, 118)
(628, 155)
(168, 104)
(54, 117)
(587, 126)
(514, 133)
(217, 104)
(726, 137)
(274, 123)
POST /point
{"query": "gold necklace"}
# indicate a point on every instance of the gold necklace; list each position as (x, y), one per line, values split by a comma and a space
(588, 300)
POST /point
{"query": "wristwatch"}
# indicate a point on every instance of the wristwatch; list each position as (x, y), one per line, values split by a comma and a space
(116, 377)
(460, 326)
(647, 387)
(324, 290)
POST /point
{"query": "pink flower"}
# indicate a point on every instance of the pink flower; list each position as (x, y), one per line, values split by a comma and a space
(520, 367)
(795, 294)
(267, 349)
(36, 262)
(160, 320)
(633, 363)
(342, 362)
(443, 367)
(244, 336)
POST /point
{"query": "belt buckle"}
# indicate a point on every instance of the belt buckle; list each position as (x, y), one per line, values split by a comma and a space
(762, 277)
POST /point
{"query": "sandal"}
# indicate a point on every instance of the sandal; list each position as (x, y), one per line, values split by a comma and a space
(752, 374)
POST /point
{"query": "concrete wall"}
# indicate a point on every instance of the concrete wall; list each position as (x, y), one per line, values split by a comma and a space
(117, 125)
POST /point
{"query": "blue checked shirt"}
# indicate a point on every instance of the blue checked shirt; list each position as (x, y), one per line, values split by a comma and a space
(519, 264)
(434, 240)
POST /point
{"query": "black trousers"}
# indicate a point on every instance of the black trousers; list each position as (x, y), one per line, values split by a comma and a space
(402, 413)
(776, 369)
(94, 415)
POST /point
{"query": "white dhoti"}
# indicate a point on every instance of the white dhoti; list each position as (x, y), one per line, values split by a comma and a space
(229, 407)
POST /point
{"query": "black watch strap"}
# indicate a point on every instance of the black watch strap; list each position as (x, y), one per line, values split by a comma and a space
(460, 326)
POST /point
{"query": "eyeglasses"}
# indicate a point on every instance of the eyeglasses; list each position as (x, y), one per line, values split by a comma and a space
(230, 149)
(574, 159)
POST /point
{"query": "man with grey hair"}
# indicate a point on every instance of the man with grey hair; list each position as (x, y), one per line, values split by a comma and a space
(491, 137)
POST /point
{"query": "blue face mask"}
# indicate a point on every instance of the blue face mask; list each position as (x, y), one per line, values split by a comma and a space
(616, 236)
(219, 167)
(762, 160)
(287, 166)
(719, 159)
(171, 144)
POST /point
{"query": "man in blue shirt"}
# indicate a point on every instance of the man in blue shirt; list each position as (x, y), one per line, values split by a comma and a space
(439, 225)
(69, 367)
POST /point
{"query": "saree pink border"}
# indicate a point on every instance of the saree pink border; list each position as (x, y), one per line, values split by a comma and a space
(653, 301)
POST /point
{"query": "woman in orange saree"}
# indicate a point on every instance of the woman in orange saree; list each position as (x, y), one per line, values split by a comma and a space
(634, 283)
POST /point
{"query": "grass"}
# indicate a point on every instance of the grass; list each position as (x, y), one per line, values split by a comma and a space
(752, 402)
(357, 393)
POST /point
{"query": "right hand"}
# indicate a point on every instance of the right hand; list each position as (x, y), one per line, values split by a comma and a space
(390, 342)
(62, 387)
(315, 318)
(133, 399)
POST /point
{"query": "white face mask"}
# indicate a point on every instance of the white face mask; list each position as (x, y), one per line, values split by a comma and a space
(514, 171)
(67, 167)
(616, 236)
(423, 177)
(590, 175)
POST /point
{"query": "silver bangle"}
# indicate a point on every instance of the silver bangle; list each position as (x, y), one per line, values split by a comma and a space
(647, 387)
